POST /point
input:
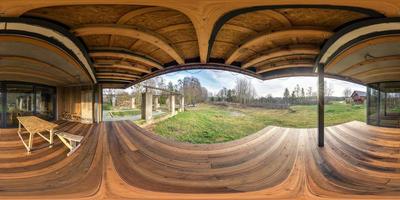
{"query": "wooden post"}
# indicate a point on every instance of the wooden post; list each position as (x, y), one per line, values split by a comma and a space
(321, 105)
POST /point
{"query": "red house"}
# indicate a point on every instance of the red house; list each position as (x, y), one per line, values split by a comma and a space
(358, 97)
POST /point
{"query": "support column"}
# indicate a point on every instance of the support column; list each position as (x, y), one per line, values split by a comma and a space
(147, 105)
(156, 104)
(321, 105)
(172, 104)
(133, 106)
(182, 103)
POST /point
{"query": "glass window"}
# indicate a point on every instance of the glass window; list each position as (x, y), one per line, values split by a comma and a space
(24, 99)
(372, 106)
(384, 104)
(19, 102)
(44, 102)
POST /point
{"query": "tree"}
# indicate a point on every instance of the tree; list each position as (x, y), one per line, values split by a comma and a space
(170, 86)
(192, 90)
(328, 89)
(286, 95)
(293, 97)
(297, 90)
(347, 92)
(245, 91)
(309, 92)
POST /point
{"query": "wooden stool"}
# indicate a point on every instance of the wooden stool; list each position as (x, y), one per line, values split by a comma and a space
(73, 142)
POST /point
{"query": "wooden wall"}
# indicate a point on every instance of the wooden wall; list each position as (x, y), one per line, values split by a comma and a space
(76, 100)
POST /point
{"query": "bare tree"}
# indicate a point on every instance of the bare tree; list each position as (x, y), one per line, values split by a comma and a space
(244, 91)
(347, 92)
(309, 92)
(328, 89)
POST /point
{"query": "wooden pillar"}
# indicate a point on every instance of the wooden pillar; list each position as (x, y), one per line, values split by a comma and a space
(147, 110)
(321, 105)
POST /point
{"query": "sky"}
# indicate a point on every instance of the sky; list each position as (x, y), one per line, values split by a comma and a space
(214, 80)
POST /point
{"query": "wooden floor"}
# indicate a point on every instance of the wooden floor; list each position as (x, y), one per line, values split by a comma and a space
(119, 160)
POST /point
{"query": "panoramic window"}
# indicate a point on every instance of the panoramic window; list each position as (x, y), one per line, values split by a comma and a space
(384, 104)
(211, 106)
(25, 99)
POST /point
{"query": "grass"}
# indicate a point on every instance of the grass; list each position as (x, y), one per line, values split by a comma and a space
(122, 113)
(213, 124)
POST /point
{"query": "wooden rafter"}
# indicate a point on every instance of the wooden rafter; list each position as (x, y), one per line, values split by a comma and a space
(274, 36)
(132, 32)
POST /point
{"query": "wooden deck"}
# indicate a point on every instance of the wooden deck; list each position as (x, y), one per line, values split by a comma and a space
(119, 160)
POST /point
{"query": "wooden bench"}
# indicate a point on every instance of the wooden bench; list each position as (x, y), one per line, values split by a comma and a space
(73, 142)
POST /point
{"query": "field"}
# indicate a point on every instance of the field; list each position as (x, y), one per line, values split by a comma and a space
(212, 124)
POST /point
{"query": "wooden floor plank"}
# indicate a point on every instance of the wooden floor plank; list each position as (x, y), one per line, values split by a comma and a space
(119, 160)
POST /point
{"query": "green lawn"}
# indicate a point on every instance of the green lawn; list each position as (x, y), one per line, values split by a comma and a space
(121, 113)
(213, 124)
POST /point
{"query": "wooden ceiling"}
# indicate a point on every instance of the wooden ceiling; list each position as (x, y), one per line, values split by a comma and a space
(130, 42)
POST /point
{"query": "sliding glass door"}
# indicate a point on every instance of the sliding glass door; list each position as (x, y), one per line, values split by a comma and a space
(24, 99)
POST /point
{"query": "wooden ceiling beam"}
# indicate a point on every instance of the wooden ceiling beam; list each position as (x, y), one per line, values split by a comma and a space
(249, 43)
(132, 32)
(127, 56)
(281, 52)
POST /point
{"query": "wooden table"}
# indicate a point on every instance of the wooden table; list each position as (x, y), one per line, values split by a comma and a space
(35, 125)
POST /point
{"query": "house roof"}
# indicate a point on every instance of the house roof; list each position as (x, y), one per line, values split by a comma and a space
(359, 93)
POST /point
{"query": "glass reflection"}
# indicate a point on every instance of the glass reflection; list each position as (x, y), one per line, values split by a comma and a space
(384, 104)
